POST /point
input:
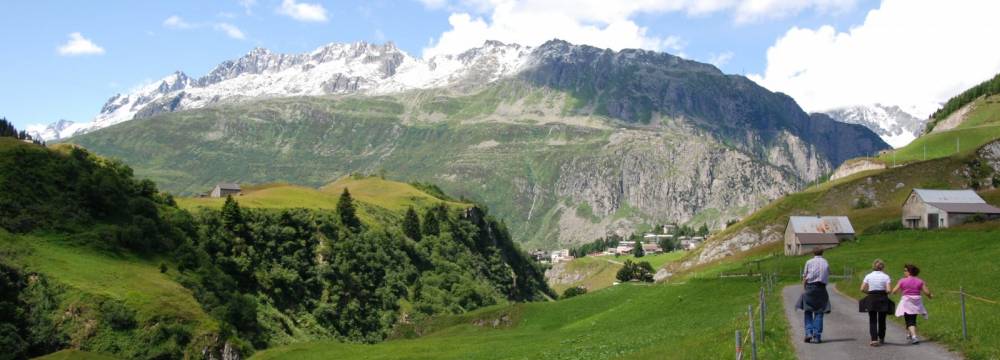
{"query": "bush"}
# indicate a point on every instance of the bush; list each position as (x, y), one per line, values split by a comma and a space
(863, 203)
(117, 315)
(574, 291)
(642, 271)
(885, 226)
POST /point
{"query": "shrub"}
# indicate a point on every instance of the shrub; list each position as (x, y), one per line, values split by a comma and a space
(885, 226)
(117, 315)
(574, 291)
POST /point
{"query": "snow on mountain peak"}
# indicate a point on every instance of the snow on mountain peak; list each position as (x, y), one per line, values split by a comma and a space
(335, 68)
(896, 126)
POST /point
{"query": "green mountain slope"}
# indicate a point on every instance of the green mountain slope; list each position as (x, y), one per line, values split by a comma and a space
(627, 321)
(623, 138)
(97, 261)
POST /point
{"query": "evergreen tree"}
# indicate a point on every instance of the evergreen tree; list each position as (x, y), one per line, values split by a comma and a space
(347, 212)
(637, 250)
(431, 225)
(232, 216)
(411, 224)
(703, 230)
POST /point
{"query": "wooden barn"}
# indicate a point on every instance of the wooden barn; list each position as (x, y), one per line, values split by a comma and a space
(932, 209)
(805, 233)
(225, 189)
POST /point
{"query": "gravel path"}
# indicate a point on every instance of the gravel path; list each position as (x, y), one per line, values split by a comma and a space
(845, 334)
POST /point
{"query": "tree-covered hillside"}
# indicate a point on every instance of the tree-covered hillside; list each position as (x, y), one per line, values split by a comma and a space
(142, 278)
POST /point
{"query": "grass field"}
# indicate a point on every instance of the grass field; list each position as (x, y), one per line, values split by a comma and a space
(386, 194)
(949, 259)
(981, 125)
(599, 271)
(695, 320)
(74, 355)
(135, 281)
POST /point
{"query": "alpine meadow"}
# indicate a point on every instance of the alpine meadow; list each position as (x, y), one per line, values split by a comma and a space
(504, 179)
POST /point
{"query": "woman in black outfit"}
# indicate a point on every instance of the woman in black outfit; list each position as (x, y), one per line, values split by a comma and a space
(877, 304)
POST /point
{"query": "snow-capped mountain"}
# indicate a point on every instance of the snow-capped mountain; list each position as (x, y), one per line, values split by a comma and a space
(54, 131)
(357, 67)
(896, 126)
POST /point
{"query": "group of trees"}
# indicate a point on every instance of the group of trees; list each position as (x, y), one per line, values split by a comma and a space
(630, 271)
(8, 130)
(598, 245)
(267, 276)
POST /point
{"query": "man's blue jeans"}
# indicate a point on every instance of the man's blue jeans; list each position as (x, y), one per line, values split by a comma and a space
(814, 324)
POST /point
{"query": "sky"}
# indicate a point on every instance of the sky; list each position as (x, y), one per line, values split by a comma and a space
(64, 59)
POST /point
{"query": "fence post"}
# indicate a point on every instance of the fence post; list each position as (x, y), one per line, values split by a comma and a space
(763, 311)
(739, 346)
(753, 337)
(965, 328)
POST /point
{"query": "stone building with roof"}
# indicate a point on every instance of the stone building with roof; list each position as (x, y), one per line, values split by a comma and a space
(225, 189)
(806, 233)
(932, 209)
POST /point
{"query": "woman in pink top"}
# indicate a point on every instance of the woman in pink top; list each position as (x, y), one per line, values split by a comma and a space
(910, 304)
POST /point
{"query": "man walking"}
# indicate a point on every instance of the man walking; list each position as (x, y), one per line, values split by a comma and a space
(815, 301)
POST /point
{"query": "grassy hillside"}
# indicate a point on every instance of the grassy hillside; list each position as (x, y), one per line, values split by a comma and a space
(690, 321)
(598, 272)
(948, 258)
(74, 355)
(980, 126)
(375, 195)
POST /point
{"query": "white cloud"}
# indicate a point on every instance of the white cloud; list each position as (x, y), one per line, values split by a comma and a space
(230, 30)
(915, 54)
(720, 59)
(303, 11)
(79, 45)
(601, 23)
(247, 5)
(176, 22)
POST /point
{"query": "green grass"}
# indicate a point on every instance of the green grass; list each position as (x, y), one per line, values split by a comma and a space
(136, 282)
(943, 144)
(981, 125)
(695, 320)
(948, 258)
(74, 355)
(599, 271)
(391, 195)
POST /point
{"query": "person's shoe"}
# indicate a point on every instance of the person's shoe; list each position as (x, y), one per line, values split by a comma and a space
(817, 338)
(873, 343)
(914, 340)
(881, 341)
(808, 339)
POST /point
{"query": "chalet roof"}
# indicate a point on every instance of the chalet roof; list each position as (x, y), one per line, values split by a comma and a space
(228, 186)
(820, 225)
(966, 208)
(964, 196)
(817, 239)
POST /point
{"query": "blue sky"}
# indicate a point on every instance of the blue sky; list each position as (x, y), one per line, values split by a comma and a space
(133, 42)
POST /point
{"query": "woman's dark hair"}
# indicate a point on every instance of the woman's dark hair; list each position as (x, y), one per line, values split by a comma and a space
(912, 269)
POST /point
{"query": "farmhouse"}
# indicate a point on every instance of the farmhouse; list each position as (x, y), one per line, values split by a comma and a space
(805, 233)
(651, 249)
(561, 255)
(931, 209)
(224, 189)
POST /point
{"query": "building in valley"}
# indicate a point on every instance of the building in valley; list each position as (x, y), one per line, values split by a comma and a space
(225, 189)
(932, 209)
(806, 233)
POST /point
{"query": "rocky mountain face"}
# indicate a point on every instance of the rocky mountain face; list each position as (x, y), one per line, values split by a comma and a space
(567, 143)
(896, 126)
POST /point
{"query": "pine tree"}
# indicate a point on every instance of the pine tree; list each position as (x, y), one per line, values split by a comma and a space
(637, 250)
(232, 216)
(411, 224)
(703, 230)
(431, 226)
(347, 212)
